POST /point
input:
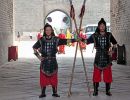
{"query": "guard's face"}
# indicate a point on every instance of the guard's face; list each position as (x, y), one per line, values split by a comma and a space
(102, 27)
(48, 31)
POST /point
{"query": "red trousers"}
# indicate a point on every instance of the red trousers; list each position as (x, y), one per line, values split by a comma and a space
(107, 75)
(48, 80)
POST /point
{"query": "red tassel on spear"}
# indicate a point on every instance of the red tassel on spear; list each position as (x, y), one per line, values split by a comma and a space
(72, 12)
(82, 10)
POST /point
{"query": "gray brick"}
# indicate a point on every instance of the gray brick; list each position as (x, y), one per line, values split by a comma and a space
(6, 28)
(120, 23)
(30, 14)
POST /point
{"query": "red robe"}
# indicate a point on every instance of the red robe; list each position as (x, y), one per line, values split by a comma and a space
(61, 47)
(39, 35)
(48, 80)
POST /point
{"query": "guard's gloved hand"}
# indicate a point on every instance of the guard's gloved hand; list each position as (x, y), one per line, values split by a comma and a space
(82, 40)
(79, 39)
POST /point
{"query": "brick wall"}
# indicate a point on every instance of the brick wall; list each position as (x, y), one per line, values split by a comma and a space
(120, 23)
(30, 14)
(6, 31)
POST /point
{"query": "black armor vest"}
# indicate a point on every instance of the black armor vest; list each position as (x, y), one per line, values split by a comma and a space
(102, 45)
(49, 46)
(48, 50)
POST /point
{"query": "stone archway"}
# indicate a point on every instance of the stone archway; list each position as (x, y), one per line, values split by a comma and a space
(62, 21)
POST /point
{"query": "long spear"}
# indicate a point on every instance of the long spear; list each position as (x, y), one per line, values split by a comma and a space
(72, 15)
(81, 17)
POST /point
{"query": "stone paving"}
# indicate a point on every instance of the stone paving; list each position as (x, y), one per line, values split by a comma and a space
(19, 80)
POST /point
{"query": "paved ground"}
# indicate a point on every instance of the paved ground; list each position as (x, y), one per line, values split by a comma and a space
(19, 80)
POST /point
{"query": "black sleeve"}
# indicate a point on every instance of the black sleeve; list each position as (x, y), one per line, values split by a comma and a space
(37, 45)
(113, 40)
(90, 39)
(64, 41)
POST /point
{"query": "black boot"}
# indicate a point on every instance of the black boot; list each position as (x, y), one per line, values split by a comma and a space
(95, 85)
(43, 93)
(54, 89)
(108, 89)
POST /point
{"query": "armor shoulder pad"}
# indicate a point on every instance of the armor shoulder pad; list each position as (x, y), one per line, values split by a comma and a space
(109, 33)
(42, 39)
(56, 39)
(94, 34)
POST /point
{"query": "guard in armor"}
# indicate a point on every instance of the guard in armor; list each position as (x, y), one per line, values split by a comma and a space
(47, 55)
(103, 61)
